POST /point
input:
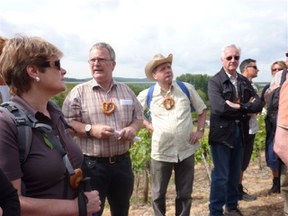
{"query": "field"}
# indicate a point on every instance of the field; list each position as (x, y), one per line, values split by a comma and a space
(257, 180)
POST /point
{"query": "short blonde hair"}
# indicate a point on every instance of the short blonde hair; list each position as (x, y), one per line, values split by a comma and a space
(19, 52)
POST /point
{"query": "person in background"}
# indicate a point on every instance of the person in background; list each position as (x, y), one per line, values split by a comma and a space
(4, 90)
(31, 68)
(106, 116)
(232, 98)
(281, 142)
(248, 68)
(270, 123)
(9, 200)
(173, 140)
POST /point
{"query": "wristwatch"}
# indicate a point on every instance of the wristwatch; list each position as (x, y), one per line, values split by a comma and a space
(88, 128)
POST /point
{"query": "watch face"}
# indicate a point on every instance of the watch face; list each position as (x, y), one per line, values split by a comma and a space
(88, 127)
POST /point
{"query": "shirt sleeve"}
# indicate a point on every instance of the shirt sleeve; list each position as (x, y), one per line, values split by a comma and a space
(71, 107)
(196, 100)
(283, 107)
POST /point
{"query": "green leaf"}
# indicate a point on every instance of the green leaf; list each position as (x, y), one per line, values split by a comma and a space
(47, 141)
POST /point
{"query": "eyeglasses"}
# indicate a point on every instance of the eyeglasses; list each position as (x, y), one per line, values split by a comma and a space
(100, 60)
(254, 66)
(229, 58)
(277, 69)
(286, 54)
(52, 64)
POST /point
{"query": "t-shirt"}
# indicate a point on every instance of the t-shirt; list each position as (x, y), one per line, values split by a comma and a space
(44, 172)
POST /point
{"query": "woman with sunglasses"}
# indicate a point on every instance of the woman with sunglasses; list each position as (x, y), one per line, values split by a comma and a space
(31, 68)
(269, 98)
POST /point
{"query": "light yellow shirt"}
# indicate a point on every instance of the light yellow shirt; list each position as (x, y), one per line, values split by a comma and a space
(172, 128)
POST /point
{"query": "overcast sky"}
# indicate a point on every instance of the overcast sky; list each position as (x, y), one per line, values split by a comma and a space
(194, 31)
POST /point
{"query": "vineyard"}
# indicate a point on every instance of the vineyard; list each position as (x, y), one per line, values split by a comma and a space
(258, 172)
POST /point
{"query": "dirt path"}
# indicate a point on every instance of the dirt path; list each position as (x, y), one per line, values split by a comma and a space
(257, 181)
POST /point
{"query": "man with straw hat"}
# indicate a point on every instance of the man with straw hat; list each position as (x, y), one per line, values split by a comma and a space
(173, 139)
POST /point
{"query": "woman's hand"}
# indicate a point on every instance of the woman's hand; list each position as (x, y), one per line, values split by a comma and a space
(94, 202)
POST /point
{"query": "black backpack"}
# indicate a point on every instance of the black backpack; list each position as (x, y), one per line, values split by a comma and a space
(273, 102)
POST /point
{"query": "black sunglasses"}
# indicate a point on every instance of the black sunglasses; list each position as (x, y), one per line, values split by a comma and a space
(229, 58)
(277, 69)
(286, 54)
(255, 67)
(52, 64)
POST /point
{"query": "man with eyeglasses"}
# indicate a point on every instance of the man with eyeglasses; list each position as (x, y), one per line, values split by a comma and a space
(249, 69)
(232, 98)
(106, 116)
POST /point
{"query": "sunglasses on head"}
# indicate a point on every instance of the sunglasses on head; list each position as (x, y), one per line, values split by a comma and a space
(254, 66)
(52, 64)
(229, 58)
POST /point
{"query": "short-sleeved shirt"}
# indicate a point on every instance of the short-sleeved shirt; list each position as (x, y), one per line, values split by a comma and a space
(283, 106)
(172, 128)
(43, 172)
(84, 104)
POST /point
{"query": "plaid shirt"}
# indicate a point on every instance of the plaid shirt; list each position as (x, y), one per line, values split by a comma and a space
(84, 104)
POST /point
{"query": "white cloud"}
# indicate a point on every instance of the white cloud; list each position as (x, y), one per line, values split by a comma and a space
(194, 31)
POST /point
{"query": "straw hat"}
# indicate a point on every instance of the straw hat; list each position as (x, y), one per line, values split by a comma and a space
(157, 60)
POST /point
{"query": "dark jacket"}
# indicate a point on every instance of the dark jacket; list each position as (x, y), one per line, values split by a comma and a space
(223, 118)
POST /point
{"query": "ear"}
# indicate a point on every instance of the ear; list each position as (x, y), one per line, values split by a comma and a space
(32, 71)
(113, 65)
(154, 76)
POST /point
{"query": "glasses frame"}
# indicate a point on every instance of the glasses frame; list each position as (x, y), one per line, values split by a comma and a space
(53, 64)
(100, 60)
(229, 58)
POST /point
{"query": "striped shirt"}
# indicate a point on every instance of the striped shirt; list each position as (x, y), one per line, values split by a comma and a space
(84, 104)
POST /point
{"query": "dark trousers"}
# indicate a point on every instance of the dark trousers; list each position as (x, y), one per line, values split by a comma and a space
(225, 175)
(113, 181)
(184, 176)
(248, 150)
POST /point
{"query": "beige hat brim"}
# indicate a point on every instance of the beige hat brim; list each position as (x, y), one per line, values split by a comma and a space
(157, 60)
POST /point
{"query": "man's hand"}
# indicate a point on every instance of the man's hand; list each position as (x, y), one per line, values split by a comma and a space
(101, 131)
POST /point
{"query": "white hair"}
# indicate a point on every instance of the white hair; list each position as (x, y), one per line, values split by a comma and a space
(228, 47)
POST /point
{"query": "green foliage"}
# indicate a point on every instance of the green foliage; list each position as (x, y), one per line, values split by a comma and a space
(140, 151)
(204, 149)
(199, 81)
(259, 142)
(138, 88)
(59, 98)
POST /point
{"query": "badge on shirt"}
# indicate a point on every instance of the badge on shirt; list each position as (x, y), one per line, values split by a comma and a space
(126, 102)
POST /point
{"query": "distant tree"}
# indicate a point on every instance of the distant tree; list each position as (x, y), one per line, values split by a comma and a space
(199, 81)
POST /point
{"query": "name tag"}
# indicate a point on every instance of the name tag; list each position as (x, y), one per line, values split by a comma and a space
(126, 102)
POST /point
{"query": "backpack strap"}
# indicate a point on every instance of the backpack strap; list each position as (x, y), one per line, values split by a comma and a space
(148, 100)
(186, 91)
(283, 77)
(24, 122)
(150, 95)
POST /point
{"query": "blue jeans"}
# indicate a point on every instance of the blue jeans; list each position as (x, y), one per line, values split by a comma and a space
(225, 175)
